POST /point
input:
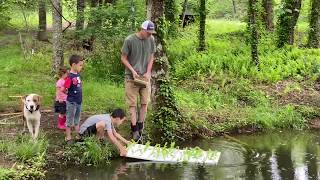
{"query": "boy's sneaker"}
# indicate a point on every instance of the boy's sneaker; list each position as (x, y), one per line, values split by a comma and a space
(69, 142)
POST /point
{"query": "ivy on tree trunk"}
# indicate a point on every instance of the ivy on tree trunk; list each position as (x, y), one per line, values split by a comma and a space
(314, 31)
(202, 25)
(166, 115)
(171, 16)
(57, 36)
(253, 28)
(287, 21)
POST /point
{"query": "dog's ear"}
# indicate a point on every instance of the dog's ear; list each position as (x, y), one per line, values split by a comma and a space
(23, 98)
(39, 99)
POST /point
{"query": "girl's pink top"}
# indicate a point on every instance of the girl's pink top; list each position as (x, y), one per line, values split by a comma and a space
(60, 95)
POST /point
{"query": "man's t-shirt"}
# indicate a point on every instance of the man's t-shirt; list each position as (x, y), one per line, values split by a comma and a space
(95, 119)
(138, 52)
(74, 85)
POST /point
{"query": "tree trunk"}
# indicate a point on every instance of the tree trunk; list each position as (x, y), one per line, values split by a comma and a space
(170, 14)
(234, 9)
(80, 15)
(57, 36)
(166, 117)
(287, 21)
(42, 32)
(314, 31)
(252, 26)
(202, 25)
(268, 14)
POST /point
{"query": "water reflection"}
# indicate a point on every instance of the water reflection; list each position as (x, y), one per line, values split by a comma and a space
(283, 155)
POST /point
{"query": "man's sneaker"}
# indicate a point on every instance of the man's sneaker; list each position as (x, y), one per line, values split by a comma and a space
(135, 135)
(140, 127)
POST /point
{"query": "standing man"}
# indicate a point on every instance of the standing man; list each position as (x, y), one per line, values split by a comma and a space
(138, 55)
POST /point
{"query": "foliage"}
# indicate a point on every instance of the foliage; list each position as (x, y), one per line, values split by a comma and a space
(228, 54)
(31, 156)
(90, 152)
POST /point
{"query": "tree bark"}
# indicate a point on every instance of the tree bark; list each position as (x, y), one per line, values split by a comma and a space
(234, 9)
(314, 31)
(170, 15)
(42, 32)
(202, 25)
(268, 14)
(80, 15)
(252, 24)
(287, 21)
(57, 36)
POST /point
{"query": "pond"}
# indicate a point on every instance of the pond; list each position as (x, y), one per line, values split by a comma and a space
(273, 155)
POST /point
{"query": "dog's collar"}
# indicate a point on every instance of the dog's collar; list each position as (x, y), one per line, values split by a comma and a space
(37, 109)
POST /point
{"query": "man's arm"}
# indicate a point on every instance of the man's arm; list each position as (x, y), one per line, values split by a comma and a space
(149, 68)
(124, 60)
(114, 140)
(117, 135)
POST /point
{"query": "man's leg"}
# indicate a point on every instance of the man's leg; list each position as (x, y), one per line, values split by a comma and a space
(131, 98)
(100, 130)
(144, 98)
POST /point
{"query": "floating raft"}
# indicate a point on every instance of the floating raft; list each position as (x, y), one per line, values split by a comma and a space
(160, 154)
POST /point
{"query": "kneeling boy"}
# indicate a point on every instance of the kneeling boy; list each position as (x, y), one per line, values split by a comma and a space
(98, 124)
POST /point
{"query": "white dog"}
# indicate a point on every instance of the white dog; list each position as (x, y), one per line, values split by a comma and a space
(31, 113)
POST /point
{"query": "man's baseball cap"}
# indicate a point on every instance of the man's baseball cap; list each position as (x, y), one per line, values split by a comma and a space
(148, 26)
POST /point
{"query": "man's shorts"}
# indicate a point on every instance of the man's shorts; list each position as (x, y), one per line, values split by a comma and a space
(60, 107)
(91, 130)
(133, 91)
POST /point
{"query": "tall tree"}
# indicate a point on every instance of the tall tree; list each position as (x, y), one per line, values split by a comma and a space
(253, 28)
(234, 8)
(268, 14)
(287, 21)
(171, 15)
(314, 31)
(57, 35)
(166, 114)
(42, 31)
(80, 15)
(202, 25)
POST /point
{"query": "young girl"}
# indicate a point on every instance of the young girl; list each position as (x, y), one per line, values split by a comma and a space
(61, 97)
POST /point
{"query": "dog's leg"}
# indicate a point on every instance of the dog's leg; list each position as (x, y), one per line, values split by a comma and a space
(30, 127)
(24, 122)
(36, 130)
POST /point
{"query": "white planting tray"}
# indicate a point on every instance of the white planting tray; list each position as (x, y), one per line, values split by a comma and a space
(161, 154)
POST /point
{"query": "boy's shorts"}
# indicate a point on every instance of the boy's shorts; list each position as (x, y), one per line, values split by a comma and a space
(73, 114)
(60, 107)
(91, 130)
(133, 91)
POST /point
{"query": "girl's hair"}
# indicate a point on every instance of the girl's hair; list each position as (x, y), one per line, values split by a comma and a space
(62, 71)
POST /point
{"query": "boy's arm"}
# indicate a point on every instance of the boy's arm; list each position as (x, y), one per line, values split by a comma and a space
(117, 135)
(114, 140)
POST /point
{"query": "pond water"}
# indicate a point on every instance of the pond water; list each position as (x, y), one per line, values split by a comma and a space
(273, 155)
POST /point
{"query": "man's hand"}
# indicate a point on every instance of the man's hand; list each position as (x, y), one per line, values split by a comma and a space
(147, 75)
(123, 152)
(135, 74)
